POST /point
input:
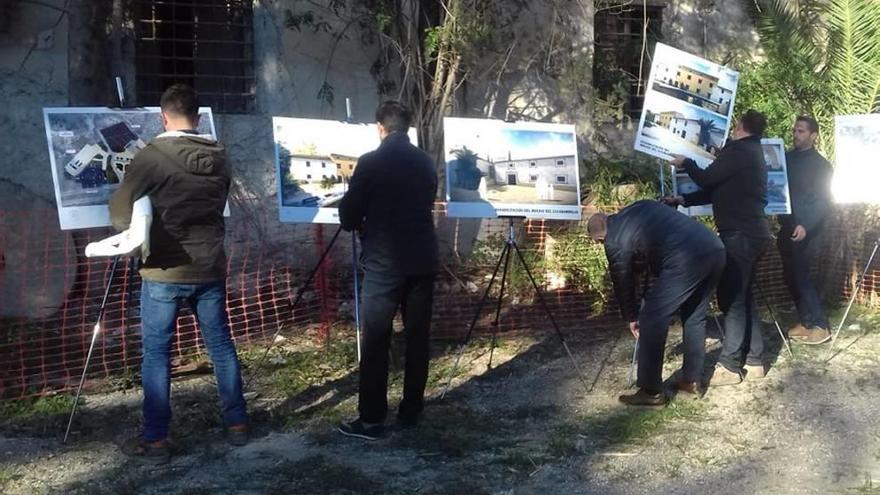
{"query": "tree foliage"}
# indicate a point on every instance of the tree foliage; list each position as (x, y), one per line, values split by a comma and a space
(823, 59)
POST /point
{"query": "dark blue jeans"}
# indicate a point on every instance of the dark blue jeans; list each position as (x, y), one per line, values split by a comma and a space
(743, 335)
(796, 260)
(382, 294)
(685, 283)
(159, 305)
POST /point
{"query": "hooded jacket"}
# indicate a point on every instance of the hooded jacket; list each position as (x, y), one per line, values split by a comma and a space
(187, 177)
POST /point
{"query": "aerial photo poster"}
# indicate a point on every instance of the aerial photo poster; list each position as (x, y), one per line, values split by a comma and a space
(90, 149)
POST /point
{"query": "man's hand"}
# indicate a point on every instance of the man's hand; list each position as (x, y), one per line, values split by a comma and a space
(672, 200)
(678, 161)
(799, 234)
(634, 328)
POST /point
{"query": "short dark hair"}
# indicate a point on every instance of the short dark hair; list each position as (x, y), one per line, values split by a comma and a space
(393, 116)
(812, 124)
(754, 122)
(180, 99)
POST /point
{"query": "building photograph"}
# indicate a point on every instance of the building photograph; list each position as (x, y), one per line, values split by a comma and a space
(677, 128)
(500, 164)
(693, 86)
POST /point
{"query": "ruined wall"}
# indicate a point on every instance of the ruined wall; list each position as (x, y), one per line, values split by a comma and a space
(33, 74)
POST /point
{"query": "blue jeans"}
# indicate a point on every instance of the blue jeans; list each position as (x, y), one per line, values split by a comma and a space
(743, 335)
(796, 260)
(159, 305)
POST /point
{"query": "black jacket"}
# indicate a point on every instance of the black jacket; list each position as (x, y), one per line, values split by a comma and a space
(390, 200)
(649, 232)
(736, 185)
(809, 183)
(187, 178)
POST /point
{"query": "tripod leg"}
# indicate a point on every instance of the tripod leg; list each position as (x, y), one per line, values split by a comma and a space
(470, 330)
(540, 296)
(95, 331)
(852, 299)
(776, 322)
(357, 306)
(498, 308)
(292, 306)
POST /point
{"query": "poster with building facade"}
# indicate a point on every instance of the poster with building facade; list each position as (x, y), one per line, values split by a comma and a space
(688, 106)
(89, 151)
(314, 160)
(778, 198)
(856, 146)
(522, 169)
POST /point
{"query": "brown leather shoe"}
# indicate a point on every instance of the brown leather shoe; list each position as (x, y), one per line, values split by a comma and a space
(755, 371)
(723, 376)
(643, 399)
(688, 390)
(815, 336)
(798, 331)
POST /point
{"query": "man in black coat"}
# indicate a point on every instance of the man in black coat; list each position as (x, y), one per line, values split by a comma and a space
(809, 183)
(390, 201)
(688, 260)
(736, 186)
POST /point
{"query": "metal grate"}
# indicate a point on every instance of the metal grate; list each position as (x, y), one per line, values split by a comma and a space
(207, 44)
(618, 35)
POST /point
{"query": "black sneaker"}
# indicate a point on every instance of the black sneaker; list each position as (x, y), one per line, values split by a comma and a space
(359, 429)
(643, 398)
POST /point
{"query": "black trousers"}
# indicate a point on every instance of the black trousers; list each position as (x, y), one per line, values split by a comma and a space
(743, 335)
(684, 284)
(382, 294)
(796, 260)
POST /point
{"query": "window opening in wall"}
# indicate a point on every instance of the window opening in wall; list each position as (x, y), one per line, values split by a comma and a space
(208, 44)
(618, 44)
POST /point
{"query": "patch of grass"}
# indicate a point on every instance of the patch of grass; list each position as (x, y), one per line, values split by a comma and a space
(36, 408)
(625, 426)
(303, 369)
(319, 474)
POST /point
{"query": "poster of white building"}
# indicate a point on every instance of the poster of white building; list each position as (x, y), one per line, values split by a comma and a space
(314, 160)
(522, 169)
(688, 106)
(856, 146)
(89, 151)
(778, 198)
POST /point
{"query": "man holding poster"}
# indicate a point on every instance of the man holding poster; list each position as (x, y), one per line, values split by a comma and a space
(390, 201)
(736, 186)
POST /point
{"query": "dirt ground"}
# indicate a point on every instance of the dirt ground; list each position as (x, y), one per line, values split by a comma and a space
(525, 426)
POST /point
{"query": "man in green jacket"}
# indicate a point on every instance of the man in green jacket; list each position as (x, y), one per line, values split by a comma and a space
(187, 177)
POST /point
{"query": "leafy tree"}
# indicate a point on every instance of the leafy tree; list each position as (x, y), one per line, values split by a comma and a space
(823, 58)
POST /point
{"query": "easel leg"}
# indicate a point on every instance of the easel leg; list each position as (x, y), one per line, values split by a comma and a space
(543, 303)
(497, 321)
(775, 322)
(95, 331)
(292, 306)
(852, 300)
(470, 330)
